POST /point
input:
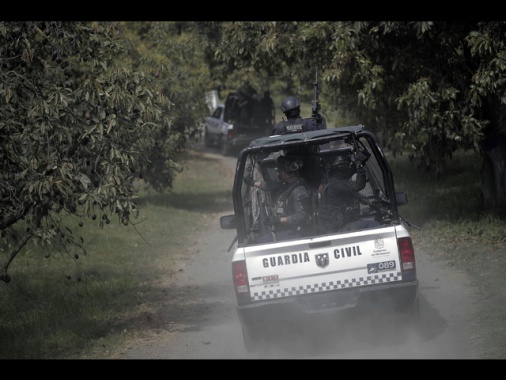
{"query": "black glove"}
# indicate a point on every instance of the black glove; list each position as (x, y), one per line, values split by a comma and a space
(360, 159)
(249, 181)
(366, 153)
(272, 220)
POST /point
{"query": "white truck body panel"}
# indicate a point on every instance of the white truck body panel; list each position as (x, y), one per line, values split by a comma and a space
(291, 268)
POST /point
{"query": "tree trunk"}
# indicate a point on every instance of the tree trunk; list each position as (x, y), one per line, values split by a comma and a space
(493, 174)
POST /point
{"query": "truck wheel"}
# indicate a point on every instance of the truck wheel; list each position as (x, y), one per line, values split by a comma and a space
(414, 322)
(410, 326)
(224, 148)
(207, 140)
(251, 340)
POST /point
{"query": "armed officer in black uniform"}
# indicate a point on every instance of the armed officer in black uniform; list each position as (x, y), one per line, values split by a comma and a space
(339, 208)
(290, 213)
(295, 123)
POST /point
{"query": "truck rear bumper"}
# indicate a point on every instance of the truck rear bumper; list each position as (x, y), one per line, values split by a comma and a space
(392, 300)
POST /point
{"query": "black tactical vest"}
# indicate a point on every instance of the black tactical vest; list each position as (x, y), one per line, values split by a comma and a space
(286, 126)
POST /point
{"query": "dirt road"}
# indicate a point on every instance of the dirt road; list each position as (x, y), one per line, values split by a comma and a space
(201, 321)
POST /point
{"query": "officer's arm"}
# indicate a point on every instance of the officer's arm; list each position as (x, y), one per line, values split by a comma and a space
(300, 199)
(360, 181)
(270, 186)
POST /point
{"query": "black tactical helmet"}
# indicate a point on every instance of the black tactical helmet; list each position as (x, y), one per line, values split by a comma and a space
(290, 103)
(343, 167)
(341, 162)
(289, 164)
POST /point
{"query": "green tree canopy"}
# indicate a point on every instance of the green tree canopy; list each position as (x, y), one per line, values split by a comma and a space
(78, 126)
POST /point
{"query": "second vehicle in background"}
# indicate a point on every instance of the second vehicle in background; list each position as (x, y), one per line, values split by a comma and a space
(245, 116)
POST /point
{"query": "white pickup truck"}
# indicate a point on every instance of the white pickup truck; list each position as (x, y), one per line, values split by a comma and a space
(364, 271)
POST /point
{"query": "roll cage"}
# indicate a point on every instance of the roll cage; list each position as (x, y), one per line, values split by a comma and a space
(379, 196)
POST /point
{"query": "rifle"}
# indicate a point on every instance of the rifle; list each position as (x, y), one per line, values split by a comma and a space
(316, 105)
(261, 201)
(264, 213)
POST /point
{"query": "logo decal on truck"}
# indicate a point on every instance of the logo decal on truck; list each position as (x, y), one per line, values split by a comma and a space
(270, 281)
(379, 246)
(322, 260)
(379, 243)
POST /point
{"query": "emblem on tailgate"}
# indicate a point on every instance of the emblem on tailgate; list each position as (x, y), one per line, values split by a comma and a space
(322, 260)
(378, 243)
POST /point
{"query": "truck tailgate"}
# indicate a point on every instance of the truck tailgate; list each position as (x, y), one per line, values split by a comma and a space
(325, 263)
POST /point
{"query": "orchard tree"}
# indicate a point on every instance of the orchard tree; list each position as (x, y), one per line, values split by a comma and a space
(173, 54)
(76, 130)
(242, 52)
(427, 88)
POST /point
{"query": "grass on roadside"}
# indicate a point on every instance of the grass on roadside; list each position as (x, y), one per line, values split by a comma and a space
(61, 307)
(448, 211)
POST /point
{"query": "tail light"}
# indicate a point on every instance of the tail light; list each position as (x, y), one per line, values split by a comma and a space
(240, 277)
(407, 254)
(230, 132)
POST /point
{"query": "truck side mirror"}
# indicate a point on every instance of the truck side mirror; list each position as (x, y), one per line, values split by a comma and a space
(227, 222)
